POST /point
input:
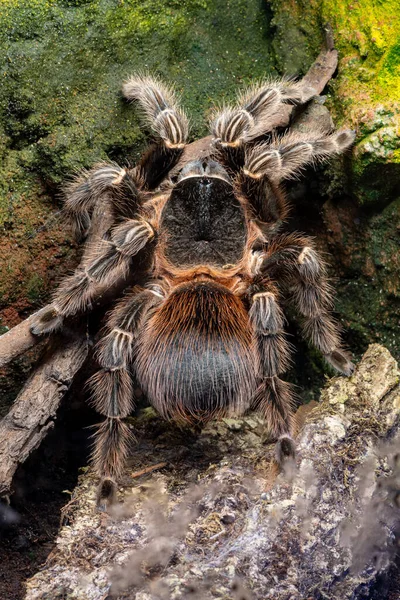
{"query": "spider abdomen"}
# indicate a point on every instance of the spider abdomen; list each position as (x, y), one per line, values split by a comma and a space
(197, 357)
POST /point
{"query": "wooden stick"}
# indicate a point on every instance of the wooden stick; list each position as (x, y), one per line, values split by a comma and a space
(33, 413)
(313, 83)
(17, 340)
(150, 469)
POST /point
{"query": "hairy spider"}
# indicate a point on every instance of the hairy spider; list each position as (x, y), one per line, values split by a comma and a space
(203, 333)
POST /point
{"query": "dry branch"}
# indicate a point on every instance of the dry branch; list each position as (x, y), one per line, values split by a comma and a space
(33, 413)
(17, 340)
(34, 410)
(150, 469)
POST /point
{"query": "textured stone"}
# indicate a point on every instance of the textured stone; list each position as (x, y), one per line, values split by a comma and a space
(321, 530)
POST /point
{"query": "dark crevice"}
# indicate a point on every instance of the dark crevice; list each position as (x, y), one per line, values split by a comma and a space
(30, 525)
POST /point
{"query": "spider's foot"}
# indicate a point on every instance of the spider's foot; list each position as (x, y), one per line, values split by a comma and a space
(231, 127)
(46, 320)
(106, 494)
(344, 139)
(285, 450)
(263, 160)
(340, 361)
(253, 115)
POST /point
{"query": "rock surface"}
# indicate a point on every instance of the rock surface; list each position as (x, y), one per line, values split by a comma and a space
(217, 521)
(358, 199)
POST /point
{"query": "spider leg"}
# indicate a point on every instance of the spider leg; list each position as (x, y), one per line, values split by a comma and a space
(274, 397)
(105, 182)
(167, 120)
(293, 260)
(266, 165)
(109, 262)
(112, 390)
(286, 156)
(233, 127)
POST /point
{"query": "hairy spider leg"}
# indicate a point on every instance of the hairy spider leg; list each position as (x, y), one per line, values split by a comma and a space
(111, 387)
(292, 260)
(107, 183)
(274, 397)
(286, 156)
(110, 260)
(167, 120)
(266, 165)
(233, 126)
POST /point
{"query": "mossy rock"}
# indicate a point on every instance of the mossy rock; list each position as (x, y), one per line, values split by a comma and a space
(62, 66)
(358, 197)
(367, 90)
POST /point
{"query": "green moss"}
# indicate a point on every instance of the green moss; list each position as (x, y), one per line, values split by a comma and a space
(62, 90)
(367, 90)
(34, 288)
(367, 35)
(22, 19)
(62, 64)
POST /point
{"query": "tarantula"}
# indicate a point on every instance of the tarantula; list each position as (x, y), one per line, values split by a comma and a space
(203, 332)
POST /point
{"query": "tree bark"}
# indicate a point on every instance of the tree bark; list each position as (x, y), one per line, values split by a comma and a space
(34, 410)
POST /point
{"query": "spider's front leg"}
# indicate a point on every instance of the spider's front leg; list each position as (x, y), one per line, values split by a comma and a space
(267, 165)
(234, 127)
(107, 183)
(112, 390)
(167, 120)
(274, 397)
(293, 261)
(110, 262)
